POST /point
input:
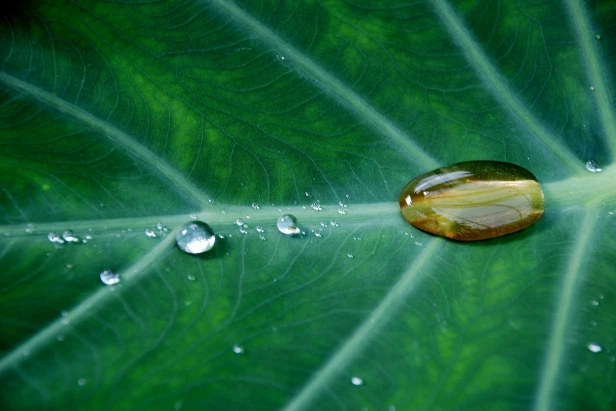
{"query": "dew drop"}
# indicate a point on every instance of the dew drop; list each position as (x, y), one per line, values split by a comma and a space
(341, 211)
(307, 194)
(598, 36)
(333, 223)
(357, 381)
(260, 229)
(594, 347)
(262, 237)
(70, 237)
(238, 349)
(150, 233)
(592, 88)
(243, 230)
(191, 278)
(473, 200)
(109, 277)
(81, 382)
(350, 255)
(255, 206)
(239, 222)
(287, 224)
(316, 206)
(55, 238)
(195, 237)
(60, 338)
(193, 216)
(593, 166)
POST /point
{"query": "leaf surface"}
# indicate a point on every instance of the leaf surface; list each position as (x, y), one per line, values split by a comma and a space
(118, 117)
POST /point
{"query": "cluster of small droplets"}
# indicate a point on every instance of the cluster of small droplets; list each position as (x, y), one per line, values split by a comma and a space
(323, 224)
(150, 233)
(350, 255)
(341, 211)
(316, 206)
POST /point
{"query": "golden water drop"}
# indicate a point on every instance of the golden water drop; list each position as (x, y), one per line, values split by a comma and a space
(473, 200)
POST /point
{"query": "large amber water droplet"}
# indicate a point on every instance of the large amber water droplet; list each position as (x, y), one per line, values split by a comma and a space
(474, 200)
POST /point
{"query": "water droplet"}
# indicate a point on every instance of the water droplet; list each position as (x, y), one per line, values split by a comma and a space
(598, 36)
(347, 196)
(260, 229)
(317, 234)
(592, 88)
(307, 194)
(243, 230)
(333, 223)
(239, 222)
(55, 238)
(81, 382)
(60, 338)
(255, 206)
(238, 349)
(193, 216)
(150, 233)
(473, 200)
(594, 302)
(195, 237)
(594, 347)
(350, 255)
(357, 381)
(160, 226)
(418, 244)
(316, 206)
(287, 224)
(593, 167)
(109, 277)
(323, 224)
(191, 278)
(262, 237)
(341, 211)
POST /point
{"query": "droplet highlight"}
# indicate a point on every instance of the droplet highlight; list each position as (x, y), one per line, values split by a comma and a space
(474, 200)
(109, 277)
(195, 237)
(238, 349)
(55, 238)
(592, 347)
(357, 381)
(70, 237)
(287, 224)
(593, 166)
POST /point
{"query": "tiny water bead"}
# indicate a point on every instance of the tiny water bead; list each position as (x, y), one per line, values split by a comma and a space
(109, 277)
(593, 166)
(70, 237)
(150, 233)
(238, 349)
(287, 224)
(55, 238)
(594, 347)
(357, 381)
(195, 237)
(473, 200)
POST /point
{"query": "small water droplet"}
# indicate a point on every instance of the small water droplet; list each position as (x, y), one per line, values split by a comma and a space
(150, 233)
(109, 277)
(260, 229)
(357, 381)
(243, 230)
(592, 88)
(222, 237)
(238, 349)
(287, 224)
(333, 223)
(191, 278)
(81, 382)
(195, 237)
(594, 302)
(160, 226)
(594, 347)
(592, 166)
(55, 238)
(418, 244)
(317, 234)
(347, 196)
(598, 36)
(60, 338)
(341, 211)
(307, 194)
(193, 216)
(239, 222)
(323, 224)
(316, 206)
(255, 206)
(350, 255)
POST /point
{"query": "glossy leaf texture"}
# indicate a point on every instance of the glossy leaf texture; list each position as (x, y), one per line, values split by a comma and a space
(121, 117)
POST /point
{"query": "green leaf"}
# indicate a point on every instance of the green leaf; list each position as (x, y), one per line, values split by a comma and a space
(117, 117)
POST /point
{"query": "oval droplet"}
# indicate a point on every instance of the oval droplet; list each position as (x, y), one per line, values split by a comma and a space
(287, 224)
(109, 277)
(195, 237)
(473, 200)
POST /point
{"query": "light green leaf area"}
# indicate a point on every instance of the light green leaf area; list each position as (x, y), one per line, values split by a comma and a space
(118, 116)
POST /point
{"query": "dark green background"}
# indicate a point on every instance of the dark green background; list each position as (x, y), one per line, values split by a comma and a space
(116, 116)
